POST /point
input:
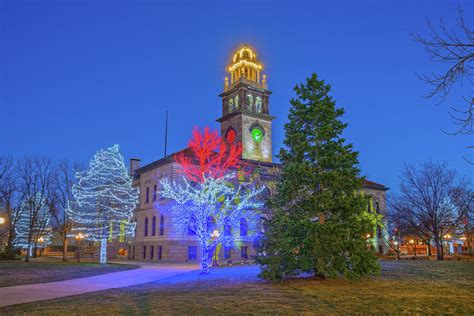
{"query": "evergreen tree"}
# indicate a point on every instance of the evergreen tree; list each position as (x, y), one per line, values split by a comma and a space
(319, 214)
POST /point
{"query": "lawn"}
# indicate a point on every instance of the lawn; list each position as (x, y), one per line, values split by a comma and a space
(406, 287)
(38, 271)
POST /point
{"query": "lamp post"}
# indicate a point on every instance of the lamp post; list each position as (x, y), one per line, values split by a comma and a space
(79, 238)
(41, 241)
(215, 234)
(2, 220)
(412, 242)
(448, 237)
(398, 249)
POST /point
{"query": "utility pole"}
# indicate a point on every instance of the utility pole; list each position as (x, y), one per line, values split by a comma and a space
(166, 132)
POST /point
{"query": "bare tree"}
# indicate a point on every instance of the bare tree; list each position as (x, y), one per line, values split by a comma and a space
(9, 201)
(35, 176)
(61, 200)
(454, 48)
(433, 202)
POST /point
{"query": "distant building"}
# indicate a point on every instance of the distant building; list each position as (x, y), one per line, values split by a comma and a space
(245, 118)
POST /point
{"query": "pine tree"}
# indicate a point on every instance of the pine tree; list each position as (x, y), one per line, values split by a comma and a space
(320, 218)
(106, 199)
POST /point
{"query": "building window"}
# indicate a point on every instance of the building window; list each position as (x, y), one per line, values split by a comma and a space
(227, 252)
(152, 252)
(258, 105)
(146, 227)
(243, 227)
(153, 226)
(380, 249)
(191, 232)
(377, 207)
(162, 225)
(159, 252)
(211, 223)
(227, 229)
(249, 102)
(192, 253)
(147, 195)
(144, 252)
(154, 193)
(244, 252)
(379, 232)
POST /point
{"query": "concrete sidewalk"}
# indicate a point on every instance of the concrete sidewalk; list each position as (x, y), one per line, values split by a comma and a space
(148, 272)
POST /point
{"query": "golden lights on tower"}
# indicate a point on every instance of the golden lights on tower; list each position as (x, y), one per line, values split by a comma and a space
(244, 66)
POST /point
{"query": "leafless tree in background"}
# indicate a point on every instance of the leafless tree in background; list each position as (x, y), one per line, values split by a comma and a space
(433, 202)
(454, 48)
(35, 180)
(9, 202)
(62, 199)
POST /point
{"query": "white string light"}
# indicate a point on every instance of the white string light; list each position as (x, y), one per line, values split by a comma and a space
(105, 199)
(219, 198)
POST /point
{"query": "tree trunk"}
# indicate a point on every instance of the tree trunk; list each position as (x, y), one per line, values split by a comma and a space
(204, 259)
(10, 249)
(439, 248)
(28, 250)
(429, 247)
(103, 251)
(65, 244)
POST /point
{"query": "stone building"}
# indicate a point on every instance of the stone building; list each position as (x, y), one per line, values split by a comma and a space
(245, 118)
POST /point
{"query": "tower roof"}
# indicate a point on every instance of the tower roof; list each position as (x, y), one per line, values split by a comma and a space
(244, 56)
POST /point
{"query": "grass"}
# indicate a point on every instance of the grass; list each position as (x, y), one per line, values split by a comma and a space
(39, 271)
(405, 287)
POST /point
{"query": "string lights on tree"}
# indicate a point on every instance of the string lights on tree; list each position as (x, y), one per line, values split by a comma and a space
(32, 227)
(105, 200)
(209, 201)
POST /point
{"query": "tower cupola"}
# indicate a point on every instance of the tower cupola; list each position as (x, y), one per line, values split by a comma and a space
(246, 67)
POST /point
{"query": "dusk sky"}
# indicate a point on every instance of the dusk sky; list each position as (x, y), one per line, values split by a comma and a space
(76, 76)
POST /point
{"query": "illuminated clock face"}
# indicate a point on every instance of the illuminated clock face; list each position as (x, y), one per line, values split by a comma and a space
(230, 136)
(257, 134)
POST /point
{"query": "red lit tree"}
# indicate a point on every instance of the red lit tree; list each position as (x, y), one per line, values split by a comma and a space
(210, 156)
(210, 202)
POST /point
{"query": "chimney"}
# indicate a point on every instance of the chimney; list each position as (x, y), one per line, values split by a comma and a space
(134, 165)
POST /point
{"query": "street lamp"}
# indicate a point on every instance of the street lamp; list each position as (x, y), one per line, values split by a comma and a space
(215, 234)
(412, 242)
(2, 220)
(79, 237)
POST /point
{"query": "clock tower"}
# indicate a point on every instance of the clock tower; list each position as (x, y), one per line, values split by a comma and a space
(245, 107)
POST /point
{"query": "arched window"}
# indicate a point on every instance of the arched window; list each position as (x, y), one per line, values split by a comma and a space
(211, 223)
(153, 226)
(258, 105)
(146, 227)
(230, 105)
(243, 227)
(227, 228)
(162, 225)
(236, 102)
(249, 102)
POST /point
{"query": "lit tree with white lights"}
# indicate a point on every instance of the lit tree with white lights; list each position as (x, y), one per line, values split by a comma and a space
(105, 199)
(32, 227)
(209, 201)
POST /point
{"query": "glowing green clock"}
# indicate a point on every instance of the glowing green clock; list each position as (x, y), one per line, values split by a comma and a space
(257, 134)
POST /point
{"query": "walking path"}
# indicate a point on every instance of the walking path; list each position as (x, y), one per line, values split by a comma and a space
(148, 272)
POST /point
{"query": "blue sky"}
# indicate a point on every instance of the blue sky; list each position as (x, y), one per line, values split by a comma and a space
(76, 76)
